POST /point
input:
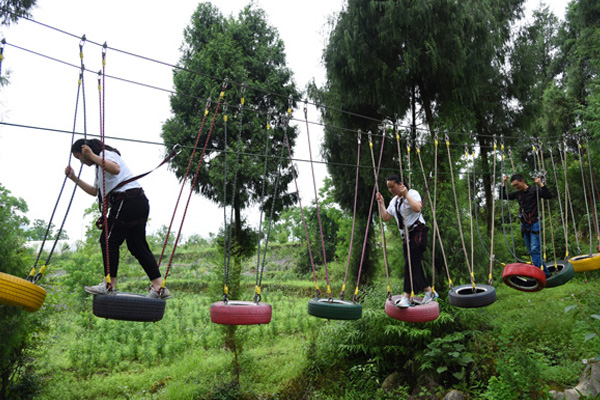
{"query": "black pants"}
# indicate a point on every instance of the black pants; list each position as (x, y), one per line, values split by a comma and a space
(127, 222)
(418, 244)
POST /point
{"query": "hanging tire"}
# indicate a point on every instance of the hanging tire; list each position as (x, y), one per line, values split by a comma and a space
(524, 277)
(418, 313)
(466, 296)
(240, 313)
(334, 309)
(21, 293)
(562, 272)
(128, 307)
(586, 262)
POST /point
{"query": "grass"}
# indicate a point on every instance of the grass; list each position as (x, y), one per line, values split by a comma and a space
(183, 356)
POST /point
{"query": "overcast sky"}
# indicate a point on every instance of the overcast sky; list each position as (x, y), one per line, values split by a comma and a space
(42, 93)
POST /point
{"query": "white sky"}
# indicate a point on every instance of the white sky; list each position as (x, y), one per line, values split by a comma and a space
(42, 93)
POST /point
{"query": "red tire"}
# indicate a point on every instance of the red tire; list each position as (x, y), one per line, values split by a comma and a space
(524, 277)
(240, 313)
(419, 313)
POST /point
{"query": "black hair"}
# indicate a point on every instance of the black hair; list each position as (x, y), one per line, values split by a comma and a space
(396, 178)
(517, 177)
(94, 144)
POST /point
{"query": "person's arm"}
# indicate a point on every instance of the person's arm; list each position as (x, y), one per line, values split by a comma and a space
(89, 189)
(385, 215)
(414, 204)
(110, 166)
(503, 193)
(545, 193)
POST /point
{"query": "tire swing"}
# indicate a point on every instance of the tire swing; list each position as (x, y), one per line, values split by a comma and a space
(25, 293)
(236, 312)
(417, 312)
(590, 261)
(328, 308)
(471, 295)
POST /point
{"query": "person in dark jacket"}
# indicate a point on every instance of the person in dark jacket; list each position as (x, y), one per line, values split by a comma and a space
(529, 198)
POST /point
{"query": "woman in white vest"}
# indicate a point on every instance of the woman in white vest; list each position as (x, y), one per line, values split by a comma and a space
(406, 207)
(129, 209)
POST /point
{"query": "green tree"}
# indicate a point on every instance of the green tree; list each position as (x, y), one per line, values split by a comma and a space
(16, 326)
(438, 63)
(243, 50)
(39, 231)
(12, 10)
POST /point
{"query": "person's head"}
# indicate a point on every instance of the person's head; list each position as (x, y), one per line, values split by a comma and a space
(518, 182)
(94, 144)
(396, 185)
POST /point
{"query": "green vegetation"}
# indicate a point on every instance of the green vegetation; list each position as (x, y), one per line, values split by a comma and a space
(519, 347)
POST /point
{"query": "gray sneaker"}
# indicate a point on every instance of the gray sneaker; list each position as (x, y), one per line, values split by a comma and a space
(98, 289)
(154, 294)
(404, 302)
(429, 297)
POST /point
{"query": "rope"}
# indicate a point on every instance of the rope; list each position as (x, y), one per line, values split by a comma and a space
(433, 205)
(261, 202)
(358, 139)
(233, 192)
(287, 143)
(584, 183)
(562, 215)
(317, 204)
(593, 183)
(376, 174)
(543, 161)
(224, 86)
(568, 195)
(492, 257)
(257, 290)
(399, 156)
(102, 98)
(33, 276)
(225, 225)
(462, 239)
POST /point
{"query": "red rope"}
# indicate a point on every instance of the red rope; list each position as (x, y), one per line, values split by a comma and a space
(102, 99)
(362, 257)
(195, 178)
(183, 182)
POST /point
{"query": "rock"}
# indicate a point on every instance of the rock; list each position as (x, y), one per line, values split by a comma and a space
(392, 382)
(454, 395)
(589, 385)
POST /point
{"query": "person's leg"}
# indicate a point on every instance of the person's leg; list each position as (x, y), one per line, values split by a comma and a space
(116, 236)
(138, 210)
(535, 248)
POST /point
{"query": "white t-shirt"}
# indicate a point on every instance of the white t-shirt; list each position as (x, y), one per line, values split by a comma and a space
(112, 180)
(403, 209)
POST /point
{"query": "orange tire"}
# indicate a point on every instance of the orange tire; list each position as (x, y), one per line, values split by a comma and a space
(20, 293)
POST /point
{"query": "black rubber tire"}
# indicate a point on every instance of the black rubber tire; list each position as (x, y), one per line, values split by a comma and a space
(18, 292)
(419, 313)
(562, 272)
(128, 307)
(464, 296)
(240, 313)
(334, 309)
(524, 277)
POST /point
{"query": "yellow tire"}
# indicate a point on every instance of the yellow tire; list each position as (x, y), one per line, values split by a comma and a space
(20, 293)
(586, 262)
